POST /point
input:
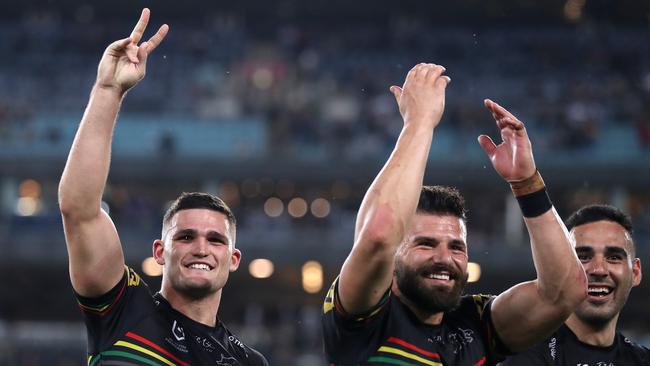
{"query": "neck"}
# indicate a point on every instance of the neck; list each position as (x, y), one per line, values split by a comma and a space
(424, 316)
(203, 310)
(595, 335)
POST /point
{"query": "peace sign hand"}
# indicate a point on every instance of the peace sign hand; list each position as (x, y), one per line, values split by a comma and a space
(124, 63)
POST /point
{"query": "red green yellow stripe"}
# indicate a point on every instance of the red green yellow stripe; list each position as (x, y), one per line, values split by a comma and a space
(391, 361)
(147, 352)
(399, 352)
(104, 308)
(156, 347)
(127, 355)
(413, 347)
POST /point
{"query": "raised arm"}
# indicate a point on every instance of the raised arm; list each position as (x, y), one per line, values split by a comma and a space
(392, 198)
(529, 312)
(94, 249)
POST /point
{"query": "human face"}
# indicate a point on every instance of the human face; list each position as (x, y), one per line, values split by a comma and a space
(197, 253)
(431, 265)
(605, 250)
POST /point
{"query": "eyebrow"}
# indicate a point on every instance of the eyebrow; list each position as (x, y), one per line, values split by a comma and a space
(608, 250)
(210, 234)
(616, 250)
(419, 239)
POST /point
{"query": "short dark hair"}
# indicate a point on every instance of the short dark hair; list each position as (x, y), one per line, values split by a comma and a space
(442, 200)
(190, 200)
(600, 212)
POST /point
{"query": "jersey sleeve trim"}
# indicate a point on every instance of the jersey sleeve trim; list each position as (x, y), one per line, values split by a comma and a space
(332, 303)
(104, 303)
(498, 349)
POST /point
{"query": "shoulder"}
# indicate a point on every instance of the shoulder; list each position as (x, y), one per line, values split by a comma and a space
(474, 304)
(544, 353)
(242, 350)
(634, 347)
(256, 358)
(332, 308)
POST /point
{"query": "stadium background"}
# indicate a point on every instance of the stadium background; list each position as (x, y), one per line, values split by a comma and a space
(283, 109)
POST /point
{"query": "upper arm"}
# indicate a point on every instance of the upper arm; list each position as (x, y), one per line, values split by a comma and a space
(95, 254)
(365, 276)
(522, 318)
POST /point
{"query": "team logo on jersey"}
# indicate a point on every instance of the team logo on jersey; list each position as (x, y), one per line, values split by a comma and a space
(134, 279)
(456, 339)
(226, 361)
(178, 332)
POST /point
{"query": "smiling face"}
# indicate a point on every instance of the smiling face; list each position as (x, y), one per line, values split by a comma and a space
(431, 265)
(606, 251)
(197, 253)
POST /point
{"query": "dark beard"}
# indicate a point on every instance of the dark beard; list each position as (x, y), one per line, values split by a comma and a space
(410, 282)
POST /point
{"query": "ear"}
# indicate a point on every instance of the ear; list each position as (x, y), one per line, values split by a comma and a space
(636, 272)
(235, 258)
(158, 250)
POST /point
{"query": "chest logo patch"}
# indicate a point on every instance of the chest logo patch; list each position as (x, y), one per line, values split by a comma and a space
(178, 332)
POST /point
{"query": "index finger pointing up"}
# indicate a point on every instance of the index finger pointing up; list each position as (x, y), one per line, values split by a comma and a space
(138, 31)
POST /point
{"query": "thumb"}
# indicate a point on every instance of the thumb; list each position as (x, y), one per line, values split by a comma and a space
(397, 92)
(120, 45)
(487, 145)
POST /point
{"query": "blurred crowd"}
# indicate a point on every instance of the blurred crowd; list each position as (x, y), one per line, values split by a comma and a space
(321, 89)
(325, 87)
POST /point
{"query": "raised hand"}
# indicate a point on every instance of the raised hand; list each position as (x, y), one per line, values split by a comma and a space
(124, 63)
(513, 157)
(422, 98)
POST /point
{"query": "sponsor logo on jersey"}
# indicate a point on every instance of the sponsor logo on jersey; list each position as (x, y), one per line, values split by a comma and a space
(236, 341)
(205, 343)
(551, 347)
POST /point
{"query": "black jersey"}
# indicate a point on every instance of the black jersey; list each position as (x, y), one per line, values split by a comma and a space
(129, 326)
(390, 334)
(564, 348)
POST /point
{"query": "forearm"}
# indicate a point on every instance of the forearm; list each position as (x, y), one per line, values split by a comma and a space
(560, 276)
(84, 177)
(383, 217)
(393, 196)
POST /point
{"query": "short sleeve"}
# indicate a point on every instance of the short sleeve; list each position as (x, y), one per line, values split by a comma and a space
(107, 315)
(496, 348)
(346, 336)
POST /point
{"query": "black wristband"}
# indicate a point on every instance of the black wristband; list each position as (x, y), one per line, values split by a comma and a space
(534, 204)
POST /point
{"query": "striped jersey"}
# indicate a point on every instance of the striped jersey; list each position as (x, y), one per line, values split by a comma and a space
(128, 326)
(391, 334)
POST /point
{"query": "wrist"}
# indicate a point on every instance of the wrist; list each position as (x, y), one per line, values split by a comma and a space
(529, 185)
(531, 195)
(109, 91)
(419, 125)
